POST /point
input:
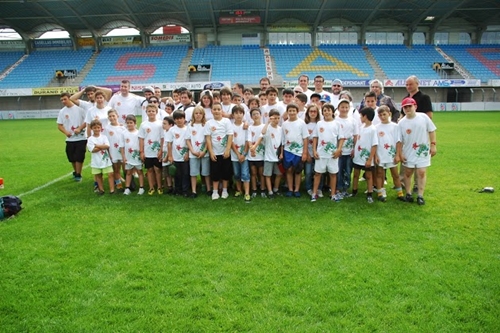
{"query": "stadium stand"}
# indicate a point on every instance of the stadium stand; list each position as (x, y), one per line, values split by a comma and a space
(344, 62)
(399, 61)
(482, 61)
(7, 59)
(38, 69)
(150, 65)
(244, 64)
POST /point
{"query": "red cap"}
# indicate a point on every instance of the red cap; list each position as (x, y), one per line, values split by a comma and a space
(408, 101)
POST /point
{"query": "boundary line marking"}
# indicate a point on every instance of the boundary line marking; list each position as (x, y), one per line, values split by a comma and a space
(36, 189)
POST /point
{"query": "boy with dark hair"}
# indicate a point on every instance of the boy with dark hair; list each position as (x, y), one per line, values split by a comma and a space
(364, 152)
(178, 153)
(71, 122)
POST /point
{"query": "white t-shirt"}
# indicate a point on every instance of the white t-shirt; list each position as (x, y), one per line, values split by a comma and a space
(349, 130)
(125, 105)
(196, 134)
(294, 133)
(218, 130)
(415, 138)
(100, 159)
(114, 135)
(152, 133)
(328, 134)
(310, 129)
(130, 144)
(177, 136)
(388, 137)
(239, 139)
(253, 134)
(367, 139)
(272, 141)
(86, 105)
(72, 118)
(95, 113)
(266, 108)
(164, 148)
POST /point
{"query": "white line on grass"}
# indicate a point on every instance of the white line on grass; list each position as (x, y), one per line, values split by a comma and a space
(47, 184)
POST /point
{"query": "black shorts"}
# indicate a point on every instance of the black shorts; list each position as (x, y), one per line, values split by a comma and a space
(150, 162)
(362, 167)
(256, 164)
(222, 169)
(75, 151)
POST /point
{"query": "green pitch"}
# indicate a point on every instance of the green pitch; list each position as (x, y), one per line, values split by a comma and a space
(75, 262)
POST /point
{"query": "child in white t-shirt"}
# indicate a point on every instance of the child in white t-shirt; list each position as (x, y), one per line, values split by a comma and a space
(256, 156)
(151, 143)
(98, 145)
(114, 132)
(167, 122)
(239, 153)
(219, 138)
(178, 153)
(131, 157)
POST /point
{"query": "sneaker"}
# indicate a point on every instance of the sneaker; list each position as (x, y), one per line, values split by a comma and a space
(237, 194)
(346, 194)
(296, 194)
(263, 194)
(209, 193)
(270, 195)
(151, 191)
(314, 197)
(289, 194)
(320, 194)
(420, 201)
(113, 192)
(337, 197)
(193, 195)
(141, 191)
(96, 188)
(382, 198)
(401, 198)
(78, 179)
(369, 200)
(127, 191)
(224, 195)
(100, 192)
(247, 198)
(277, 194)
(119, 186)
(310, 192)
(408, 198)
(160, 191)
(215, 195)
(362, 179)
(254, 194)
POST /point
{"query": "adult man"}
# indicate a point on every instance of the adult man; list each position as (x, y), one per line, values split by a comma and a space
(304, 83)
(337, 87)
(90, 92)
(71, 122)
(377, 87)
(238, 88)
(264, 84)
(124, 102)
(318, 86)
(423, 101)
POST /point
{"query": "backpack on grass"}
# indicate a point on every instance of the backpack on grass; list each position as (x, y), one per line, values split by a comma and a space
(9, 206)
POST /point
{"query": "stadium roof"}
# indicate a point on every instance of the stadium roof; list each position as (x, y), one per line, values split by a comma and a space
(32, 18)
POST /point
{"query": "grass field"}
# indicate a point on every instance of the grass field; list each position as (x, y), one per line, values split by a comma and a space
(75, 262)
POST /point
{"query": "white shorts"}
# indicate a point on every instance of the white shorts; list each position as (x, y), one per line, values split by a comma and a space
(326, 164)
(386, 166)
(417, 164)
(271, 168)
(130, 166)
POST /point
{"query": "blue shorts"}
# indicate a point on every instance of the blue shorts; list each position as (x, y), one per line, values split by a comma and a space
(291, 160)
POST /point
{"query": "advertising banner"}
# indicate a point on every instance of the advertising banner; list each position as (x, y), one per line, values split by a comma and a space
(121, 40)
(45, 43)
(166, 39)
(53, 91)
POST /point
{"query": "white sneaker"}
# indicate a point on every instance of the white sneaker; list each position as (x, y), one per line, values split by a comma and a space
(140, 192)
(310, 192)
(215, 195)
(224, 195)
(320, 194)
(127, 191)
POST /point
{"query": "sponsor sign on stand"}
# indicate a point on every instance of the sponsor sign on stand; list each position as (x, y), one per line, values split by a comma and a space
(121, 40)
(53, 91)
(43, 43)
(175, 85)
(435, 83)
(165, 39)
(12, 44)
(16, 92)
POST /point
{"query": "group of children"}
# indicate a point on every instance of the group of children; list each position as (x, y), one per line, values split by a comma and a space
(256, 145)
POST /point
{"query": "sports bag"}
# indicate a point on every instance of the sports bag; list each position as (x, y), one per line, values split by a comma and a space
(9, 206)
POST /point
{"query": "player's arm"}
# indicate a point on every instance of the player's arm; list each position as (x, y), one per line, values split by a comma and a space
(338, 152)
(61, 128)
(107, 92)
(432, 137)
(210, 149)
(373, 152)
(75, 98)
(227, 151)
